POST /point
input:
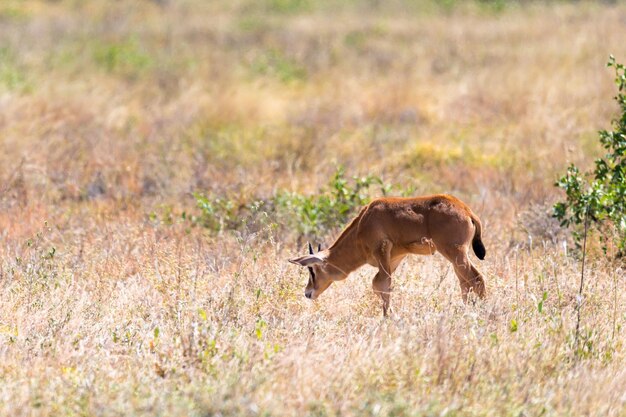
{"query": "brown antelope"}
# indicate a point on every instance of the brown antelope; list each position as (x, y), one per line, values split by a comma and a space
(389, 229)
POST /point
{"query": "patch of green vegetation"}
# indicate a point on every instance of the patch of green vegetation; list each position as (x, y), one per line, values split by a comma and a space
(228, 143)
(599, 197)
(488, 6)
(288, 6)
(13, 13)
(12, 75)
(331, 207)
(312, 215)
(448, 5)
(437, 155)
(16, 11)
(126, 57)
(217, 213)
(62, 58)
(358, 38)
(493, 5)
(431, 154)
(253, 23)
(276, 64)
(420, 7)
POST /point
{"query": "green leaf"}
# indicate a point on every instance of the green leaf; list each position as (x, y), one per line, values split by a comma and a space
(543, 298)
(600, 195)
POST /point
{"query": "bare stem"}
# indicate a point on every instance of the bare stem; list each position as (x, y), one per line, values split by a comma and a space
(582, 281)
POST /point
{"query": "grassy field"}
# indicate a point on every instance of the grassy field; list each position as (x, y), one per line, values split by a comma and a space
(156, 163)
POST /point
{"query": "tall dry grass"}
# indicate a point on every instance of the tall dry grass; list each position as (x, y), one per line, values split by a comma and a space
(113, 114)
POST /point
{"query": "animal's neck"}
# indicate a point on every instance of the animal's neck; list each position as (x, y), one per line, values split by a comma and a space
(345, 254)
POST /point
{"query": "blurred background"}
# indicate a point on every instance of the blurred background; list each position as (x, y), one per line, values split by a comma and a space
(147, 105)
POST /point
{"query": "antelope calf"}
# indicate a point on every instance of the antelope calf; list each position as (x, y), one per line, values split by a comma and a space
(389, 229)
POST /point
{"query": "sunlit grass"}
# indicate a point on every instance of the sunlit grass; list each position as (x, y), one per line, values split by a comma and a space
(117, 299)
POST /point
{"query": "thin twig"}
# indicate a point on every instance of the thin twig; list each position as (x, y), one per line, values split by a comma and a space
(614, 302)
(582, 281)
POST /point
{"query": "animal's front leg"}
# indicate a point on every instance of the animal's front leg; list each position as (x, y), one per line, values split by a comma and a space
(382, 280)
(382, 286)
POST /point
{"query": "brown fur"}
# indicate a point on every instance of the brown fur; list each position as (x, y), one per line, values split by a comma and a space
(389, 229)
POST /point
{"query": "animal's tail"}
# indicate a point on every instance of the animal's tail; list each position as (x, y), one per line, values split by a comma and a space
(477, 243)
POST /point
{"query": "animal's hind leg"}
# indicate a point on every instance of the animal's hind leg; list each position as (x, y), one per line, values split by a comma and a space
(382, 281)
(470, 278)
(479, 282)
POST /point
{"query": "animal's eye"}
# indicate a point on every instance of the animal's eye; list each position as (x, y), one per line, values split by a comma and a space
(312, 274)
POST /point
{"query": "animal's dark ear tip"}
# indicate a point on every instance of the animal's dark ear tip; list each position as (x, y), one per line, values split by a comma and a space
(293, 261)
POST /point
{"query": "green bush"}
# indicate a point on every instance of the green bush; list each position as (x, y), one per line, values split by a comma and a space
(315, 215)
(216, 213)
(312, 216)
(600, 196)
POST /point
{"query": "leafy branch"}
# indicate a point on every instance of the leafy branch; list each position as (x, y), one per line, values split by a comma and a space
(600, 195)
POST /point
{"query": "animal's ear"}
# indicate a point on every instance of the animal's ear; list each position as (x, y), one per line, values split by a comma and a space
(307, 260)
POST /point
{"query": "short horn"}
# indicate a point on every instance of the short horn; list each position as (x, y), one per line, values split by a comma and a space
(310, 249)
(319, 247)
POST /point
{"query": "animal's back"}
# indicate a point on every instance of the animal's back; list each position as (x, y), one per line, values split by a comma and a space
(422, 205)
(400, 219)
(405, 220)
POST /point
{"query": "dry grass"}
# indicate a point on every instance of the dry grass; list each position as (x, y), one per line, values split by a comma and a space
(113, 113)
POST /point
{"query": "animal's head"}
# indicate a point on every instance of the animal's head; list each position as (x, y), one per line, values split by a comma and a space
(321, 275)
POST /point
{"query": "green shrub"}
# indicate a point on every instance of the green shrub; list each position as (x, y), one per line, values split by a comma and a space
(216, 213)
(600, 196)
(315, 215)
(311, 216)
